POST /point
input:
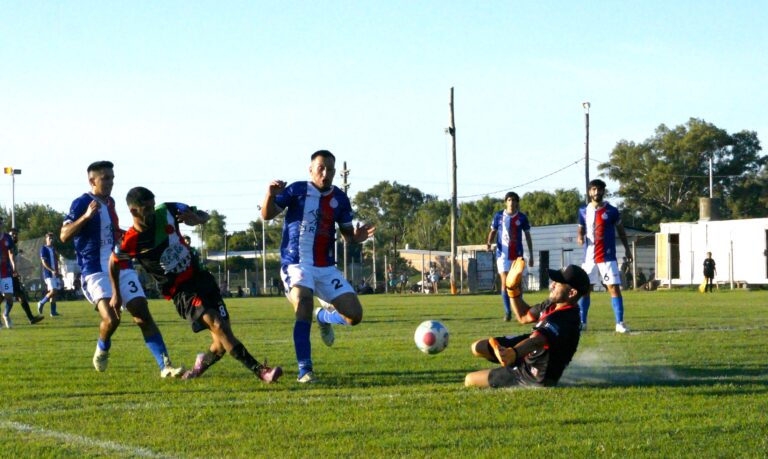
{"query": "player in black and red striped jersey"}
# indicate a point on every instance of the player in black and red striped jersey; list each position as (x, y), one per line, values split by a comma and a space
(156, 242)
(537, 359)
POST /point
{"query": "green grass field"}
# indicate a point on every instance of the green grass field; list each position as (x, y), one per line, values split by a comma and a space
(691, 380)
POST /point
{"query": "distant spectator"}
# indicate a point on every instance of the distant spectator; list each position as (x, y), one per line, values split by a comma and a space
(709, 272)
(403, 282)
(240, 292)
(641, 280)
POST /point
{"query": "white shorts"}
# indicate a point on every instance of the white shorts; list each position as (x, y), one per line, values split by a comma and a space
(6, 285)
(327, 282)
(96, 286)
(53, 283)
(606, 272)
(503, 265)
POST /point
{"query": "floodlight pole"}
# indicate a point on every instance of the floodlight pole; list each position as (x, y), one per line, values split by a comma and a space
(13, 173)
(586, 106)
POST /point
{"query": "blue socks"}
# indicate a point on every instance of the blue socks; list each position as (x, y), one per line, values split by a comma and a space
(616, 303)
(618, 308)
(507, 301)
(331, 317)
(303, 346)
(8, 306)
(104, 346)
(156, 345)
(584, 307)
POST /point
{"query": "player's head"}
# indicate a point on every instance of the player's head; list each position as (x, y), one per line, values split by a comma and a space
(596, 190)
(14, 232)
(101, 177)
(141, 203)
(568, 284)
(322, 169)
(188, 240)
(709, 254)
(48, 238)
(511, 201)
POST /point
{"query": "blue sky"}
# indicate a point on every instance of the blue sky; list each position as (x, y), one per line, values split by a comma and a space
(206, 102)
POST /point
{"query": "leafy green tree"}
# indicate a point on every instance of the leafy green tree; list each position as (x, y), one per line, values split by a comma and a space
(662, 178)
(34, 220)
(475, 219)
(430, 228)
(391, 207)
(544, 208)
(212, 233)
(241, 240)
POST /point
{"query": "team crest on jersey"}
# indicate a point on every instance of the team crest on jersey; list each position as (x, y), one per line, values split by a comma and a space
(176, 258)
(605, 216)
(333, 203)
(517, 223)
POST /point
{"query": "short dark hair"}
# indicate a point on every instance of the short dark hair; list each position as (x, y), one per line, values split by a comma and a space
(512, 195)
(323, 153)
(49, 234)
(100, 165)
(138, 195)
(598, 183)
(12, 230)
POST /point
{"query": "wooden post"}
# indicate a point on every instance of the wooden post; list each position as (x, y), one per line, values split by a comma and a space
(452, 131)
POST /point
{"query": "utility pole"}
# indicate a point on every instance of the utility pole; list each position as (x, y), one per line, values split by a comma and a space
(452, 132)
(345, 186)
(586, 106)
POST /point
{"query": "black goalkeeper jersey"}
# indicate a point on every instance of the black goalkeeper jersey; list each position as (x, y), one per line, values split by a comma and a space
(561, 328)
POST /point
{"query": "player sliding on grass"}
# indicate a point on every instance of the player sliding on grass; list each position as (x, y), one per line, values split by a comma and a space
(157, 243)
(92, 223)
(536, 359)
(306, 252)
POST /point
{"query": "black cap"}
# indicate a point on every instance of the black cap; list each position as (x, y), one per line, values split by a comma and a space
(572, 275)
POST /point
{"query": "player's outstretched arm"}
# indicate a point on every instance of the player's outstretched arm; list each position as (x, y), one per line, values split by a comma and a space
(357, 234)
(193, 217)
(268, 208)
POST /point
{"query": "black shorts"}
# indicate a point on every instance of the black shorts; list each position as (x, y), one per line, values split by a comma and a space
(197, 296)
(518, 375)
(18, 288)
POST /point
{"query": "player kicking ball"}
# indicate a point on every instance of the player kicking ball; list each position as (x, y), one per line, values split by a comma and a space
(156, 242)
(313, 209)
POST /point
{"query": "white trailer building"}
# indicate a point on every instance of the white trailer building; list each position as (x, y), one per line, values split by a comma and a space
(739, 248)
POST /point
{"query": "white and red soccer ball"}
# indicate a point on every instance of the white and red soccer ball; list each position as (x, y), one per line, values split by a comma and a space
(431, 337)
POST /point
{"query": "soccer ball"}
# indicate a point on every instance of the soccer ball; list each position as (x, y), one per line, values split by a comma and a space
(431, 337)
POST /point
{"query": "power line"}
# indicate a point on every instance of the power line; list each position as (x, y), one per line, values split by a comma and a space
(526, 183)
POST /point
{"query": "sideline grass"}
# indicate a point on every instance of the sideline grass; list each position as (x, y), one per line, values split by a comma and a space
(690, 381)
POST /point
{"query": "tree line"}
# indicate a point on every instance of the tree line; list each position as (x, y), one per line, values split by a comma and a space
(659, 180)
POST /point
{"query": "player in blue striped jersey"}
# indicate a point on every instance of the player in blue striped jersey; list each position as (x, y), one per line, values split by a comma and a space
(313, 209)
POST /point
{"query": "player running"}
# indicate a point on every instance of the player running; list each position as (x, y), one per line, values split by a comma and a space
(92, 223)
(598, 224)
(50, 265)
(157, 243)
(308, 265)
(7, 271)
(19, 292)
(507, 229)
